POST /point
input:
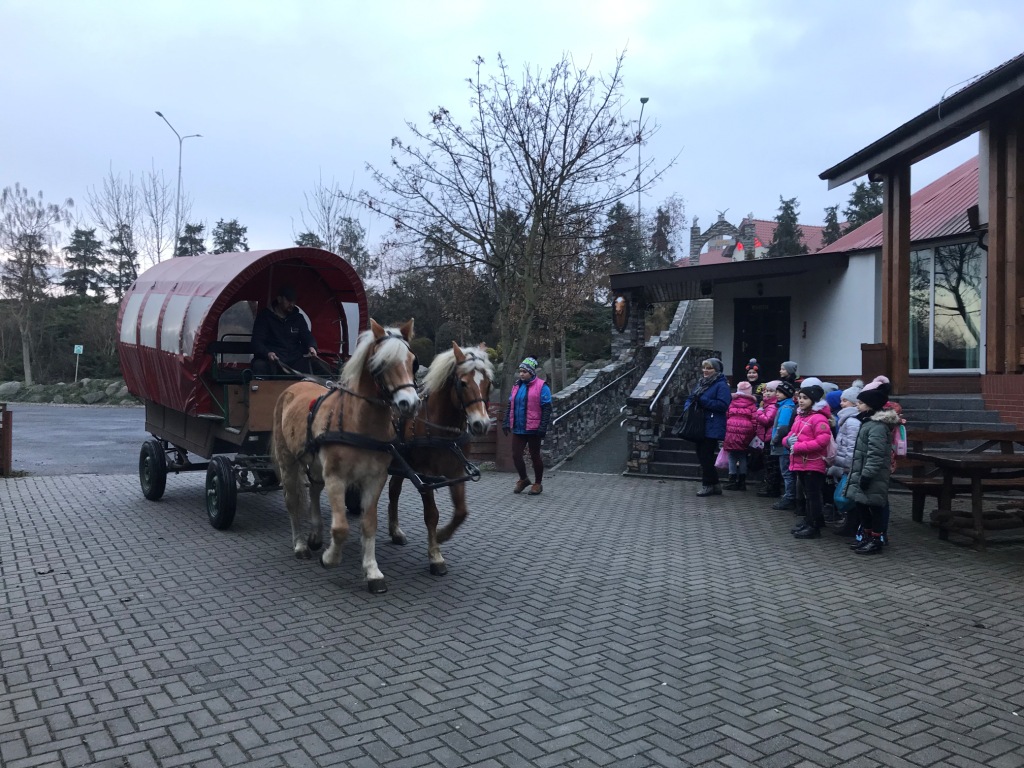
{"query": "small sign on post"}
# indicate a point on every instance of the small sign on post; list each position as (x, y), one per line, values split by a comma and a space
(79, 349)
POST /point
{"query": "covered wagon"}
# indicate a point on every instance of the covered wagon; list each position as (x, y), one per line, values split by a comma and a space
(184, 330)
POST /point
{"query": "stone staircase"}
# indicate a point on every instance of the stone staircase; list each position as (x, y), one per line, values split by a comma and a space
(949, 413)
(699, 330)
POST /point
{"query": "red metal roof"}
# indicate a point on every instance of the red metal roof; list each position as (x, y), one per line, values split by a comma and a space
(937, 210)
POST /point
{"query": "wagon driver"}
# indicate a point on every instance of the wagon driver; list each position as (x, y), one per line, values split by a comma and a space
(280, 335)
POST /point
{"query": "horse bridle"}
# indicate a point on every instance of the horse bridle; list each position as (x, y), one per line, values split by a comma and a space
(460, 386)
(386, 392)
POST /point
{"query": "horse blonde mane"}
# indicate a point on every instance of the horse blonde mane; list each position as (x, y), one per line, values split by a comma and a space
(444, 365)
(376, 356)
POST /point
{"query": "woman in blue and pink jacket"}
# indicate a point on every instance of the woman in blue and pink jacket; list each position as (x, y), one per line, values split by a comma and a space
(808, 441)
(527, 417)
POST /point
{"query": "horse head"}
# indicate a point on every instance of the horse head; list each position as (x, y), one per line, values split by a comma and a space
(391, 363)
(472, 377)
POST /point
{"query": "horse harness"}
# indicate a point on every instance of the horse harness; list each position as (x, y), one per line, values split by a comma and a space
(399, 447)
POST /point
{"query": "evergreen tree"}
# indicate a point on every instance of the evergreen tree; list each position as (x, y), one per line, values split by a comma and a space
(865, 203)
(788, 238)
(229, 237)
(619, 241)
(84, 257)
(662, 252)
(192, 241)
(832, 230)
(122, 261)
(309, 240)
(352, 247)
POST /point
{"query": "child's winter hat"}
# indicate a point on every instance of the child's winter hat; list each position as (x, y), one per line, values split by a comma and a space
(773, 384)
(814, 392)
(832, 398)
(752, 365)
(744, 388)
(829, 386)
(790, 367)
(812, 381)
(851, 393)
(529, 365)
(785, 388)
(875, 394)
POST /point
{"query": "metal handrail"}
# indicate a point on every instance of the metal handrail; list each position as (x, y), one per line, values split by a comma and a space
(602, 389)
(661, 390)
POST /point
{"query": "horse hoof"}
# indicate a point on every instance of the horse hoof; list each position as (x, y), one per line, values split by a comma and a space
(399, 540)
(438, 569)
(303, 554)
(314, 545)
(377, 586)
(322, 563)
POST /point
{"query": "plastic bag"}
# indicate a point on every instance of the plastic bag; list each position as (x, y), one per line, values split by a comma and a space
(722, 462)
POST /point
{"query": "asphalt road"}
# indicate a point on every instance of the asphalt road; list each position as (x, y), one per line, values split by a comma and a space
(76, 439)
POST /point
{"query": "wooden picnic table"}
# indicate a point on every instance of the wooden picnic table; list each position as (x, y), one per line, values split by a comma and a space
(981, 469)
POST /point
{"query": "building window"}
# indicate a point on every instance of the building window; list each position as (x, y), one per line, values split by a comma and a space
(946, 304)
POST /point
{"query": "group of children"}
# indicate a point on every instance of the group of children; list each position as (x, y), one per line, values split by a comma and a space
(814, 439)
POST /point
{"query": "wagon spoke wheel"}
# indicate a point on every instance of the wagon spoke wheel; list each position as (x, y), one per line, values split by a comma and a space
(152, 469)
(221, 493)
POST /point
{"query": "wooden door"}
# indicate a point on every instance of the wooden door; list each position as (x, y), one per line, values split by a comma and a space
(761, 330)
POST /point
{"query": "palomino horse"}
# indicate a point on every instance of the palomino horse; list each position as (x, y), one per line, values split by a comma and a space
(340, 438)
(455, 391)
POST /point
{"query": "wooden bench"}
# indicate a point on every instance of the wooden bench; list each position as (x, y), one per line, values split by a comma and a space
(226, 373)
(925, 480)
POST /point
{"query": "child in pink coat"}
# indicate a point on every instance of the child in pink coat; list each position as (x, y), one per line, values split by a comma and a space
(740, 428)
(808, 441)
(764, 419)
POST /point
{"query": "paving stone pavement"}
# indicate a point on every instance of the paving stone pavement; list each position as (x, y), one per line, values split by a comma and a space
(611, 621)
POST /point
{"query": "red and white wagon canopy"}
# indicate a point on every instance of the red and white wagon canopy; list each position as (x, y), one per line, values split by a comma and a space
(174, 311)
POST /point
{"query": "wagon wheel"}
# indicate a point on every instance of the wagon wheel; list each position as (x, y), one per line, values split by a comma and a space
(152, 469)
(221, 493)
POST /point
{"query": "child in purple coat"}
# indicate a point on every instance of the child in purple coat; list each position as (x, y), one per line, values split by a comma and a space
(740, 428)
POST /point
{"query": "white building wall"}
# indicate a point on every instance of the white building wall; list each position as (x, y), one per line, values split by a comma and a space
(831, 314)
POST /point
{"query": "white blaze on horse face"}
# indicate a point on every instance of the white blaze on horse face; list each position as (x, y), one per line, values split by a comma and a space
(479, 378)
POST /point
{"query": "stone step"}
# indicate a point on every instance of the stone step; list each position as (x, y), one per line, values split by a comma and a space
(960, 425)
(690, 471)
(941, 402)
(932, 415)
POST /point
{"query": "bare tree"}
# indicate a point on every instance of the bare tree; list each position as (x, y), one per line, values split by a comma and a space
(327, 209)
(554, 148)
(117, 212)
(157, 197)
(28, 233)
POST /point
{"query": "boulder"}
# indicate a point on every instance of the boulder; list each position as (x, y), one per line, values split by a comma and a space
(112, 389)
(58, 399)
(9, 388)
(92, 397)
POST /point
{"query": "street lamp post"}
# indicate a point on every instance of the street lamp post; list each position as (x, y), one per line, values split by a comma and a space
(639, 187)
(177, 198)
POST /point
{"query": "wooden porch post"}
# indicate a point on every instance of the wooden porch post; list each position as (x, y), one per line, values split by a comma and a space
(1004, 342)
(896, 275)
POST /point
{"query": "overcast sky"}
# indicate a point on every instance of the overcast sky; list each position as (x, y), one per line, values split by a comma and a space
(756, 98)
